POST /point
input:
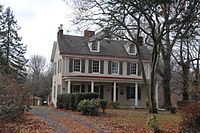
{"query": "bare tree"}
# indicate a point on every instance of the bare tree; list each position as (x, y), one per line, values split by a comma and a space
(157, 21)
(38, 68)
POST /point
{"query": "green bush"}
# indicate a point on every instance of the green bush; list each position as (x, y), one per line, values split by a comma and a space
(103, 104)
(114, 104)
(191, 118)
(70, 101)
(88, 107)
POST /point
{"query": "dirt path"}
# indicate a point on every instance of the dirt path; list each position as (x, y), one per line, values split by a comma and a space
(64, 122)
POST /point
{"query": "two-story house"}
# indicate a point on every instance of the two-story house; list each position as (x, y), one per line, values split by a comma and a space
(108, 67)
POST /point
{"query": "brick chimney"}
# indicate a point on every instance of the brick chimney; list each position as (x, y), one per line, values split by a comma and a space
(88, 34)
(60, 32)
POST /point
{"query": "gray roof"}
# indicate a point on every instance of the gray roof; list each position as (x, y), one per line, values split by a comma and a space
(69, 44)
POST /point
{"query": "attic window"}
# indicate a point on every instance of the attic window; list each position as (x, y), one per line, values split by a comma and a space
(132, 49)
(94, 46)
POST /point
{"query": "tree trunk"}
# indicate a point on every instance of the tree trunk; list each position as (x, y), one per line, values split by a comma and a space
(185, 82)
(166, 82)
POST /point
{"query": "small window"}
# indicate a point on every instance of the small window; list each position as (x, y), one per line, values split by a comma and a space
(76, 88)
(77, 65)
(132, 92)
(94, 46)
(133, 68)
(132, 49)
(115, 67)
(95, 66)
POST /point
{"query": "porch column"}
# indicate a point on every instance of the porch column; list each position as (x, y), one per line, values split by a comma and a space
(69, 86)
(114, 91)
(156, 95)
(136, 95)
(92, 86)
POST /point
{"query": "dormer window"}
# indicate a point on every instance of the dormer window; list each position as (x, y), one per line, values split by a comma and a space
(94, 46)
(132, 49)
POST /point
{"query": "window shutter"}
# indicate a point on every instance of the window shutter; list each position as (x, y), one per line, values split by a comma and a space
(120, 67)
(109, 67)
(90, 66)
(70, 65)
(89, 88)
(71, 88)
(139, 91)
(102, 66)
(128, 92)
(101, 91)
(139, 69)
(128, 68)
(83, 66)
(82, 88)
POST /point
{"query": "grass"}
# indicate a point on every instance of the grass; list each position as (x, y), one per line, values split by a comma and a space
(131, 120)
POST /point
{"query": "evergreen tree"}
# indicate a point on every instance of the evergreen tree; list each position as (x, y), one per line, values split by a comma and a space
(12, 47)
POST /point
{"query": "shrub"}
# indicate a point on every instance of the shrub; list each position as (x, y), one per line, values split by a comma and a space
(191, 118)
(70, 101)
(114, 104)
(153, 123)
(12, 112)
(103, 104)
(88, 107)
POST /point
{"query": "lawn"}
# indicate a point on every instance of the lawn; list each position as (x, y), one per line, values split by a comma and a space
(132, 120)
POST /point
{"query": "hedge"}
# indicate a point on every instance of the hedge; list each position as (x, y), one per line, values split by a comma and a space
(71, 101)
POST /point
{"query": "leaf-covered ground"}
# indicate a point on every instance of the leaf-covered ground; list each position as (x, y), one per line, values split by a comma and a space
(28, 123)
(134, 121)
(51, 120)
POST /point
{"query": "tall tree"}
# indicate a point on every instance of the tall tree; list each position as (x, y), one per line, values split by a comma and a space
(39, 76)
(12, 47)
(159, 22)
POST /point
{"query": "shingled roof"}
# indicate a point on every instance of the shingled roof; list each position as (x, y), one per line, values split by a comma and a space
(77, 45)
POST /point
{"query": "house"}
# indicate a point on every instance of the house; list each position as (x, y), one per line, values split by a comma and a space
(91, 64)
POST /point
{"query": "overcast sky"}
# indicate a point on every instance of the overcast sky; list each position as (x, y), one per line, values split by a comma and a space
(39, 21)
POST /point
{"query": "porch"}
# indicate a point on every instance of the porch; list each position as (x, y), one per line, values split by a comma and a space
(127, 92)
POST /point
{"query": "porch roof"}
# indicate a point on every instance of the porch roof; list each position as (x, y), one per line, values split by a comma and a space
(104, 78)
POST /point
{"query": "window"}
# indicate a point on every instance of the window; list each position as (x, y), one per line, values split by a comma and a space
(94, 46)
(95, 66)
(59, 65)
(132, 92)
(96, 89)
(77, 65)
(132, 49)
(76, 88)
(115, 67)
(133, 68)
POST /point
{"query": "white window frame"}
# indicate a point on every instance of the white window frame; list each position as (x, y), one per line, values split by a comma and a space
(129, 49)
(136, 68)
(73, 88)
(90, 44)
(79, 67)
(117, 67)
(93, 66)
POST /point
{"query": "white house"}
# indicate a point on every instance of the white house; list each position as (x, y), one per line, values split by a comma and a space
(108, 67)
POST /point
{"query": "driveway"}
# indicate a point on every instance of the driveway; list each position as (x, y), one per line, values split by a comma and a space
(64, 121)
